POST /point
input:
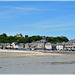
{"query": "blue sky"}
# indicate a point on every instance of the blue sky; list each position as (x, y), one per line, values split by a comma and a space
(49, 18)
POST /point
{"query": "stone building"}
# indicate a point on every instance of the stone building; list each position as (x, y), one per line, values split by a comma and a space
(50, 46)
(19, 35)
(40, 44)
(70, 45)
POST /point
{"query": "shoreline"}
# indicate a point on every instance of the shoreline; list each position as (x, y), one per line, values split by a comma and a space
(4, 53)
(17, 53)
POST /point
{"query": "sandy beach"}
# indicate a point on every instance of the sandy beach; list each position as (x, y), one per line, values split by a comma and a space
(4, 53)
(35, 62)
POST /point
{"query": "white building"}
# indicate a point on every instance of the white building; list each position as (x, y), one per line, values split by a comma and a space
(59, 46)
(14, 44)
(50, 46)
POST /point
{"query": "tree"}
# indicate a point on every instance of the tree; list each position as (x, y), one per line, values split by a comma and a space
(26, 36)
(9, 39)
(4, 35)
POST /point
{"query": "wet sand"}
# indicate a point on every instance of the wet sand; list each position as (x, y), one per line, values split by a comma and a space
(32, 62)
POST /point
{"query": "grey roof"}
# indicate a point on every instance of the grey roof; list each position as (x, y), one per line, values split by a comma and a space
(32, 43)
(14, 42)
(7, 44)
(70, 42)
(59, 44)
(48, 43)
(1, 44)
(41, 41)
(4, 44)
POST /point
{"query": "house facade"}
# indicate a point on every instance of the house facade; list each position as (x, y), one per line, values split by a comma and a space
(27, 45)
(50, 46)
(14, 45)
(1, 45)
(70, 45)
(21, 45)
(7, 45)
(60, 46)
(40, 44)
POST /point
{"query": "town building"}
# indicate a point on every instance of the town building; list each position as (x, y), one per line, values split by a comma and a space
(27, 45)
(19, 35)
(70, 45)
(7, 45)
(1, 45)
(21, 45)
(14, 45)
(36, 45)
(40, 44)
(50, 46)
(60, 46)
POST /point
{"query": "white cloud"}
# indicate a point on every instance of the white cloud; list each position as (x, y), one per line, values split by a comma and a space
(5, 12)
(59, 25)
(37, 0)
(64, 29)
(21, 8)
(30, 9)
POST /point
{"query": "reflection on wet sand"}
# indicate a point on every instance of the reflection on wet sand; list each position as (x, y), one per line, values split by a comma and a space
(0, 67)
(57, 63)
(45, 64)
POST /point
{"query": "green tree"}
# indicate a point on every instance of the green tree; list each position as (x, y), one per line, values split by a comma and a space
(5, 35)
(26, 36)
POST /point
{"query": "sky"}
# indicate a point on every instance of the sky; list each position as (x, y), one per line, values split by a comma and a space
(37, 0)
(44, 18)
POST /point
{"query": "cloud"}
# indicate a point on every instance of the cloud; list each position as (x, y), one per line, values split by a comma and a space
(64, 29)
(30, 9)
(47, 25)
(37, 0)
(5, 12)
(50, 26)
(21, 8)
(60, 25)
